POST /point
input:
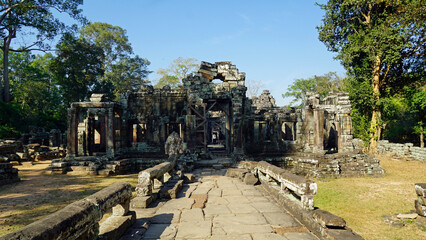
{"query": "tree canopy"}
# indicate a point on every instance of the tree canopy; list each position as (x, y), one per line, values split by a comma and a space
(177, 70)
(322, 85)
(34, 17)
(379, 43)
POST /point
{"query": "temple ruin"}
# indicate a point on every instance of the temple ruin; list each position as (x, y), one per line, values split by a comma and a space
(211, 113)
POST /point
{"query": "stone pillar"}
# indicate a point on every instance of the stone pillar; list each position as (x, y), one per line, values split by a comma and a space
(318, 129)
(72, 131)
(110, 132)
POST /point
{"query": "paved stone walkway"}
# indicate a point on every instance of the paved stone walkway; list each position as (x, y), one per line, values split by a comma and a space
(217, 207)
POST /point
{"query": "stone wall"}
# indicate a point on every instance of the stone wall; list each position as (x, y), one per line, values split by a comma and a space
(80, 220)
(402, 150)
(330, 165)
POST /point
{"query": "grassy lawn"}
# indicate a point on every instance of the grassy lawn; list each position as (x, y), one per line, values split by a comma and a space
(362, 201)
(39, 194)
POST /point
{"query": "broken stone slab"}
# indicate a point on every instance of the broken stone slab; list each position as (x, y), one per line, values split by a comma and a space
(189, 177)
(327, 219)
(407, 215)
(114, 227)
(420, 189)
(141, 202)
(250, 179)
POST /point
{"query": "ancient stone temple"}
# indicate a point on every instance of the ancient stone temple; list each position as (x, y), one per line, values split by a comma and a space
(210, 113)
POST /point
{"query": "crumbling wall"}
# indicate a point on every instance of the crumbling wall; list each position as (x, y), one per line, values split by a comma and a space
(402, 150)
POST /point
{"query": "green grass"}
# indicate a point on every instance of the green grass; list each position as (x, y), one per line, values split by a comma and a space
(362, 201)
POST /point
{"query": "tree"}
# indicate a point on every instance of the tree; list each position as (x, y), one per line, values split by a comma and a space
(129, 74)
(76, 68)
(177, 70)
(376, 41)
(26, 16)
(417, 100)
(122, 70)
(253, 87)
(322, 85)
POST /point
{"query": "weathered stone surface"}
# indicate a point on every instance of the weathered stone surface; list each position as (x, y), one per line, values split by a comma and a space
(163, 231)
(166, 217)
(301, 236)
(326, 219)
(236, 173)
(173, 145)
(420, 189)
(114, 227)
(189, 178)
(420, 209)
(281, 219)
(250, 179)
(201, 229)
(407, 215)
(338, 234)
(141, 202)
(268, 236)
(191, 215)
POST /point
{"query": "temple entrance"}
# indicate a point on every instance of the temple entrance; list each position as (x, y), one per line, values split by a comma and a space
(212, 125)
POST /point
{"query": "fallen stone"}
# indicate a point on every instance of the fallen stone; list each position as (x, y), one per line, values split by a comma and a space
(420, 189)
(420, 209)
(326, 219)
(407, 215)
(283, 230)
(250, 179)
(189, 177)
(236, 173)
(115, 226)
(141, 202)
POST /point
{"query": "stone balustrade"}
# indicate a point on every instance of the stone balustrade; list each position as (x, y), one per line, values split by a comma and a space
(147, 178)
(287, 182)
(402, 150)
(295, 194)
(80, 219)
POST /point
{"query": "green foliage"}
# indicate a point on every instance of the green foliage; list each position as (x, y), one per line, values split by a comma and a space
(129, 73)
(11, 120)
(322, 85)
(381, 44)
(33, 18)
(76, 68)
(123, 72)
(178, 69)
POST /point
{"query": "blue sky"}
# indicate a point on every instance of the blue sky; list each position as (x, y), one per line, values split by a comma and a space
(273, 41)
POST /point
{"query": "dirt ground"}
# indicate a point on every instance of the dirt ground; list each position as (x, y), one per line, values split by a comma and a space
(39, 194)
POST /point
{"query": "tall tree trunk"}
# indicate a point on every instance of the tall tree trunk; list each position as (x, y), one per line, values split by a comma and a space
(6, 89)
(422, 141)
(375, 117)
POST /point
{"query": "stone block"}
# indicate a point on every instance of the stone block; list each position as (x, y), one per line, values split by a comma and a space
(250, 179)
(236, 173)
(115, 226)
(121, 209)
(420, 189)
(141, 202)
(420, 209)
(327, 220)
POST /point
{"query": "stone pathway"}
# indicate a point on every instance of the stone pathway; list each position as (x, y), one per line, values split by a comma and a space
(217, 207)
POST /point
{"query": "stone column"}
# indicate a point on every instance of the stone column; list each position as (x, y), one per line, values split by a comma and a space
(110, 132)
(72, 131)
(318, 129)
